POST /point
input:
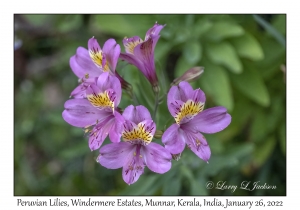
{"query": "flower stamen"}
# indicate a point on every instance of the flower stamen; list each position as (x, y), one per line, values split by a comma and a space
(101, 100)
(97, 57)
(139, 134)
(188, 110)
(131, 44)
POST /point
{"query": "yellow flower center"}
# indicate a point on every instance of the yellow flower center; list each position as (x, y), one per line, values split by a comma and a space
(188, 110)
(139, 133)
(97, 57)
(101, 100)
(129, 46)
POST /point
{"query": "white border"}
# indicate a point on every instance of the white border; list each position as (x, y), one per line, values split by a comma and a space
(154, 6)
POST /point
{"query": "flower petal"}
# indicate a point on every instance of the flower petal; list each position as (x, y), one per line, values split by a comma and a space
(173, 95)
(82, 65)
(186, 91)
(131, 59)
(134, 166)
(79, 91)
(174, 139)
(198, 144)
(80, 113)
(199, 96)
(115, 155)
(154, 31)
(112, 51)
(175, 107)
(183, 92)
(106, 81)
(117, 128)
(131, 43)
(210, 120)
(100, 132)
(96, 54)
(93, 89)
(145, 53)
(157, 158)
(136, 114)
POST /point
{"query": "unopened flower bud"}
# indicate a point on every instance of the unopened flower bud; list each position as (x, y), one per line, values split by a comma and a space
(158, 134)
(156, 88)
(190, 75)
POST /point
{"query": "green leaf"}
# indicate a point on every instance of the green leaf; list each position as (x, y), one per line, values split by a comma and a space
(224, 54)
(69, 23)
(192, 52)
(75, 151)
(252, 85)
(172, 186)
(226, 161)
(270, 29)
(201, 26)
(198, 187)
(259, 125)
(282, 138)
(39, 20)
(216, 83)
(279, 23)
(239, 117)
(248, 47)
(263, 151)
(123, 25)
(161, 49)
(224, 29)
(140, 187)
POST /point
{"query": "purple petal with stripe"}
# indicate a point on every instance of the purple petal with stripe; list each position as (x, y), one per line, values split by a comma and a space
(134, 166)
(157, 158)
(82, 65)
(106, 81)
(115, 155)
(211, 120)
(154, 31)
(174, 139)
(80, 113)
(136, 114)
(198, 144)
(100, 132)
(112, 51)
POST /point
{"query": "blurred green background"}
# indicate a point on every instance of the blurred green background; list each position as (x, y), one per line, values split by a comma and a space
(244, 57)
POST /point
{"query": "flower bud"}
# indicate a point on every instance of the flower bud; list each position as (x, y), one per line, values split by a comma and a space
(190, 75)
(158, 134)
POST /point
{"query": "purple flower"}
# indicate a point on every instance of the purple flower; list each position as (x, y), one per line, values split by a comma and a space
(136, 151)
(186, 106)
(87, 65)
(141, 53)
(98, 110)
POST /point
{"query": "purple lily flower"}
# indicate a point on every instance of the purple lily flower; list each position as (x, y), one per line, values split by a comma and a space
(186, 106)
(87, 65)
(141, 53)
(98, 110)
(137, 150)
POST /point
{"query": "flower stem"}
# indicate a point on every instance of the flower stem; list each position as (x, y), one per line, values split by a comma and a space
(155, 105)
(135, 101)
(132, 95)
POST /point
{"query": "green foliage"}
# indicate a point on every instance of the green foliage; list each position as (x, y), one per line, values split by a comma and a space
(243, 56)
